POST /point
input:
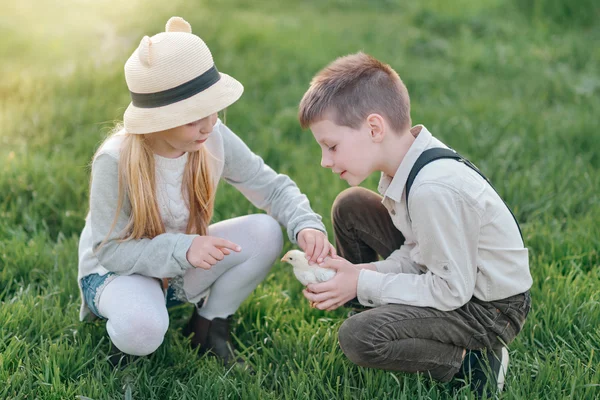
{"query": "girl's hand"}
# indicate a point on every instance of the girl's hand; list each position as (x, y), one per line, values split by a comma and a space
(206, 251)
(315, 245)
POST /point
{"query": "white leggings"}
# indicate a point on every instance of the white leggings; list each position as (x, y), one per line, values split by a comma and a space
(135, 305)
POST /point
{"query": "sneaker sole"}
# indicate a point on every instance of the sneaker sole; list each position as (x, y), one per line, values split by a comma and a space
(503, 369)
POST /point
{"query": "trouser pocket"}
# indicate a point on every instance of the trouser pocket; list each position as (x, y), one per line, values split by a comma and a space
(514, 312)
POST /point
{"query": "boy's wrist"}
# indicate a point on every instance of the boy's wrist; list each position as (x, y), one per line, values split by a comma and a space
(369, 266)
(368, 289)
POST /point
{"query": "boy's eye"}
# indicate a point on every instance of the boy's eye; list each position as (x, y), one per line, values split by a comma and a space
(332, 148)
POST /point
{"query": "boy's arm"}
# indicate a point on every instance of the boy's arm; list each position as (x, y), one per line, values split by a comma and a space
(446, 227)
(399, 262)
(275, 193)
(162, 257)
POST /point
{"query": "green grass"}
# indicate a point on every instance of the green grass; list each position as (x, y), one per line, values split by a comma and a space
(514, 87)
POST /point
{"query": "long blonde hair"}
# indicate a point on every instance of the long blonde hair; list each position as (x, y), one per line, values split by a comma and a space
(137, 182)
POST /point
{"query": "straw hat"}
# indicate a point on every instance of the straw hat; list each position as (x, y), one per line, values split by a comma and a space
(173, 81)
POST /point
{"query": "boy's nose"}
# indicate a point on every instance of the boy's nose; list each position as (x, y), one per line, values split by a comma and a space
(326, 163)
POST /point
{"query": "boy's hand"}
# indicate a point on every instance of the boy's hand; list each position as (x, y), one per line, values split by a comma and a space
(315, 245)
(337, 291)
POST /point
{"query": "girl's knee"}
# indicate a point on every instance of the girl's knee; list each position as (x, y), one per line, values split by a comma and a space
(267, 235)
(268, 227)
(138, 333)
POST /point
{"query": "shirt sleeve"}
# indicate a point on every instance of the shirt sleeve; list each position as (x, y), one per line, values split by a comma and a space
(274, 193)
(399, 262)
(163, 256)
(446, 227)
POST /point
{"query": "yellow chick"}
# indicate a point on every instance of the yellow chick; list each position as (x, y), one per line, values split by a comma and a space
(305, 272)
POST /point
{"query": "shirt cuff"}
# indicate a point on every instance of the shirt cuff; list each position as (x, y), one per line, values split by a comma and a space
(180, 252)
(368, 290)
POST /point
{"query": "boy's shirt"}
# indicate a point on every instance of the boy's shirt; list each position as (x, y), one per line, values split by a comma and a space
(461, 239)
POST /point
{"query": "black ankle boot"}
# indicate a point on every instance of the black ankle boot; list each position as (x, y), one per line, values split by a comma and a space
(118, 359)
(212, 336)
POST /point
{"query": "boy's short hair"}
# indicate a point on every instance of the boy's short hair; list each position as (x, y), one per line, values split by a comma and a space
(352, 87)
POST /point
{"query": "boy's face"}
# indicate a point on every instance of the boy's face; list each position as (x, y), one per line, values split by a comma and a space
(346, 151)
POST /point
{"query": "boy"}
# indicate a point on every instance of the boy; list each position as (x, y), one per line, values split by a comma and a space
(452, 289)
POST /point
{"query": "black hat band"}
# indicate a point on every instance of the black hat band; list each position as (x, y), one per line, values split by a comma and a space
(178, 93)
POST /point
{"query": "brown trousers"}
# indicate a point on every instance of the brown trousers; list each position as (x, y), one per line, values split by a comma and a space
(407, 338)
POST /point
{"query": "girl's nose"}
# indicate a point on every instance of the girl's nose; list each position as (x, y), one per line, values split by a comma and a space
(208, 124)
(206, 128)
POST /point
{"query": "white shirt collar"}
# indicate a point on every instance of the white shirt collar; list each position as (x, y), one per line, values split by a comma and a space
(393, 187)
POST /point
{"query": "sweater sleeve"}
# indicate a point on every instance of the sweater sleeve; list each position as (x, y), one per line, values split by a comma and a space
(163, 256)
(274, 193)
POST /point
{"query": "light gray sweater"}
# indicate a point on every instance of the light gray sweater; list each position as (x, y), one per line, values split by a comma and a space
(165, 255)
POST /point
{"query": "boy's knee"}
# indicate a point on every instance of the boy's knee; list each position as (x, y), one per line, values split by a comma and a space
(347, 200)
(138, 335)
(356, 341)
(348, 203)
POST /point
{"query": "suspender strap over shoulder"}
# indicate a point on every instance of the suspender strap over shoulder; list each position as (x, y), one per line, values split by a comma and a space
(438, 153)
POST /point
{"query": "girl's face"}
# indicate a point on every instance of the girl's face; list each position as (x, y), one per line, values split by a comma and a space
(174, 142)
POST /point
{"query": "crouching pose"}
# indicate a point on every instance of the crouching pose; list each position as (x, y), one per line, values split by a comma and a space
(452, 289)
(147, 241)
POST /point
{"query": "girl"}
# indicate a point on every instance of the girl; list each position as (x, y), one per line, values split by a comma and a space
(147, 241)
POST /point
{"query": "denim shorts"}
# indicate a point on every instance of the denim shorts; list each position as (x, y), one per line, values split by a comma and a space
(92, 286)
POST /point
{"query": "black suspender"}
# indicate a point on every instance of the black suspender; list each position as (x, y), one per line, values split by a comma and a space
(437, 153)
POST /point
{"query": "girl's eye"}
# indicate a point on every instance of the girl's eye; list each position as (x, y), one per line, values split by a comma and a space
(194, 123)
(332, 148)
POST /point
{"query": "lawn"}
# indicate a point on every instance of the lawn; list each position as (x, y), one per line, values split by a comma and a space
(515, 87)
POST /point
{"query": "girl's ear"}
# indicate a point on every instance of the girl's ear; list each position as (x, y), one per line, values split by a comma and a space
(376, 126)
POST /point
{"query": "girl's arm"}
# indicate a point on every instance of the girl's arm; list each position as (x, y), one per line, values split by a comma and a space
(275, 193)
(163, 256)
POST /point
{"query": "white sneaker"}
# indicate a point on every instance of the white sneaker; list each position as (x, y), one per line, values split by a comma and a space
(481, 372)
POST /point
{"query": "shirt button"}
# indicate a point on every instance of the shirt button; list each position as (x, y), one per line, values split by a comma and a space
(370, 301)
(393, 212)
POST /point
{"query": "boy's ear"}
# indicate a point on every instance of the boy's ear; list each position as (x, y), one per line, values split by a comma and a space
(376, 124)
